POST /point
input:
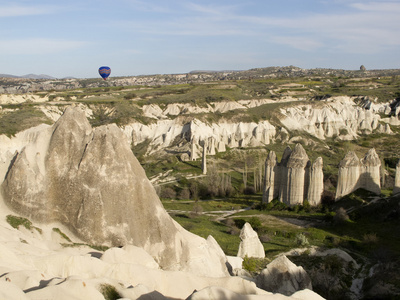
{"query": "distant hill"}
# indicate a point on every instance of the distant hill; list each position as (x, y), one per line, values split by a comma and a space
(29, 76)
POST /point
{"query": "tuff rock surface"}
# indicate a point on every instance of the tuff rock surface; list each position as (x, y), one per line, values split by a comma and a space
(284, 277)
(316, 182)
(355, 173)
(250, 244)
(293, 179)
(90, 181)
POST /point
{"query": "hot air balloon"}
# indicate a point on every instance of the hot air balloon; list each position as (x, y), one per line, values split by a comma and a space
(104, 72)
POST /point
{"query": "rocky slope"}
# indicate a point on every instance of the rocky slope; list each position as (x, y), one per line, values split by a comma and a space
(88, 183)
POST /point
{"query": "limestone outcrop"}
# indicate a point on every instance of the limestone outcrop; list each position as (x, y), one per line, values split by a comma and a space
(250, 244)
(90, 181)
(293, 179)
(284, 277)
(355, 173)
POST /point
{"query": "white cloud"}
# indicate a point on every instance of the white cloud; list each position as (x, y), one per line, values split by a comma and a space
(391, 7)
(368, 27)
(19, 10)
(34, 46)
(298, 42)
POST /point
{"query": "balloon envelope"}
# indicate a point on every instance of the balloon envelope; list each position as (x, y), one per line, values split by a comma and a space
(104, 72)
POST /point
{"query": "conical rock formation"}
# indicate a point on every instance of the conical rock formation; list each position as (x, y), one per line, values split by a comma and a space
(250, 245)
(283, 276)
(89, 180)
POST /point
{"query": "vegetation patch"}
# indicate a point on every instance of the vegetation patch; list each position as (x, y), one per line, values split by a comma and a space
(16, 221)
(109, 292)
(62, 234)
(22, 117)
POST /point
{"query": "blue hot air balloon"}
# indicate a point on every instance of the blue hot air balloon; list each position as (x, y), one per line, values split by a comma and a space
(104, 72)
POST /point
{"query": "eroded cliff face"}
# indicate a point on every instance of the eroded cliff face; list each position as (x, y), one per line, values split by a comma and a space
(337, 117)
(89, 180)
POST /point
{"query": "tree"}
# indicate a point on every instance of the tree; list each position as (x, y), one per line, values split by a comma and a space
(362, 68)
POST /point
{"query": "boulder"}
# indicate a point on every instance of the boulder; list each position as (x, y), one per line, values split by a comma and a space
(90, 181)
(250, 244)
(284, 277)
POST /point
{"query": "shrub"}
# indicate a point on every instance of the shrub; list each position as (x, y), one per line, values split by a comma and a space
(341, 216)
(109, 292)
(129, 96)
(197, 210)
(370, 238)
(301, 240)
(255, 223)
(168, 193)
(249, 190)
(306, 205)
(239, 223)
(254, 265)
(327, 197)
(184, 194)
(265, 238)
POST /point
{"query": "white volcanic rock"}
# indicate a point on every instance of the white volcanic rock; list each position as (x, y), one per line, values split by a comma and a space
(34, 266)
(370, 178)
(129, 254)
(89, 180)
(162, 133)
(337, 116)
(349, 175)
(256, 102)
(226, 106)
(355, 173)
(396, 188)
(15, 99)
(292, 187)
(284, 277)
(271, 176)
(316, 185)
(250, 244)
(152, 111)
(175, 109)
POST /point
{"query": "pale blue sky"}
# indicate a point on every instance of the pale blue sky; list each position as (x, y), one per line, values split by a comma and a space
(135, 37)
